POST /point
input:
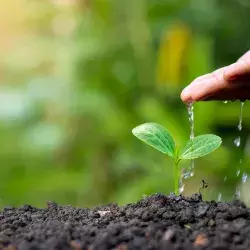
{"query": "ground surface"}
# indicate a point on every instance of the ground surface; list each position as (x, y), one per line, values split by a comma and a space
(156, 222)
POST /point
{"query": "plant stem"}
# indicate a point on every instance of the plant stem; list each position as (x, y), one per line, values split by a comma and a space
(176, 177)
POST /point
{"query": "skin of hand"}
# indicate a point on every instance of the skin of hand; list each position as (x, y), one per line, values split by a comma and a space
(228, 83)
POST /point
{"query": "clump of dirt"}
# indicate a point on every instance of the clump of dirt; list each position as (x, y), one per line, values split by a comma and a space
(155, 222)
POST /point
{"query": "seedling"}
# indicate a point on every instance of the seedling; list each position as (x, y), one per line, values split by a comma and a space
(204, 185)
(159, 138)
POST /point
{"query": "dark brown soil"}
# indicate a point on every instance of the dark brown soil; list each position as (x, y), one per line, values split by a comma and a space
(156, 222)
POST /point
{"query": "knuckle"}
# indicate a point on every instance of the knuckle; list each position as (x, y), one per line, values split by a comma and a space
(245, 63)
(217, 75)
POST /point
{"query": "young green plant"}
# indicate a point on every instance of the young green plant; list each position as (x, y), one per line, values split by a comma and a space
(159, 138)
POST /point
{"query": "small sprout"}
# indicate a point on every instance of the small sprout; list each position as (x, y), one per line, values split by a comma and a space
(204, 185)
(159, 138)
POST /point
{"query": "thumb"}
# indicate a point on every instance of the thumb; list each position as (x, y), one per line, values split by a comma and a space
(238, 69)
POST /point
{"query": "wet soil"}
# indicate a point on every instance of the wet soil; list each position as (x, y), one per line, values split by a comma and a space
(155, 222)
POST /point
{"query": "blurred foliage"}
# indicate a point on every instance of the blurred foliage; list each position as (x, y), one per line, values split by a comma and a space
(77, 76)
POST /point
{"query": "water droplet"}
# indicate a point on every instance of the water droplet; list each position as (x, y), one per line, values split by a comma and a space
(225, 178)
(219, 197)
(240, 127)
(188, 174)
(181, 188)
(241, 115)
(238, 172)
(241, 161)
(244, 178)
(237, 193)
(225, 102)
(237, 141)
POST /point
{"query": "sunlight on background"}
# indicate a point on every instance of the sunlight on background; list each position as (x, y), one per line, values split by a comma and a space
(77, 76)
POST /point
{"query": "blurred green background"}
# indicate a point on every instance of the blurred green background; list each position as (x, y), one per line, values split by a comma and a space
(77, 76)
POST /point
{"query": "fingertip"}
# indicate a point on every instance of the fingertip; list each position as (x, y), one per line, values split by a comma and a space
(186, 95)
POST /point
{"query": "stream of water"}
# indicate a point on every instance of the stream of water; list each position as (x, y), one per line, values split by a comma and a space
(191, 119)
(190, 172)
(237, 143)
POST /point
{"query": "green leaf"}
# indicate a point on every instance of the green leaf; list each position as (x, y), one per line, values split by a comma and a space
(201, 146)
(156, 136)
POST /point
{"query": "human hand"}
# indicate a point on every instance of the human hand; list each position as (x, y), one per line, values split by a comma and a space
(228, 83)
